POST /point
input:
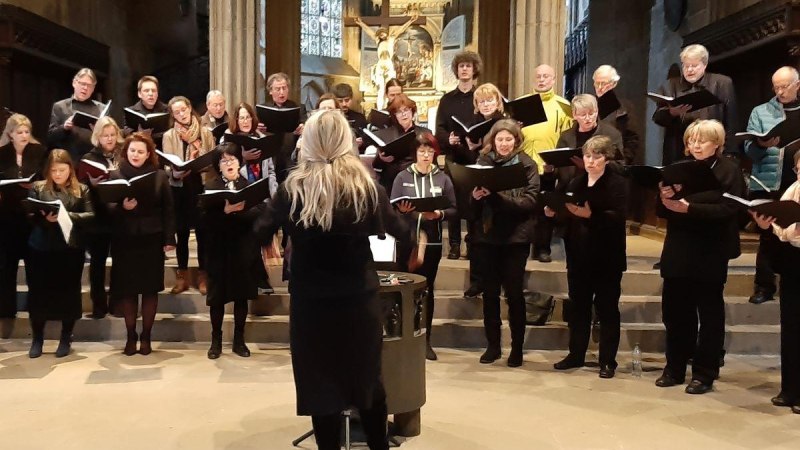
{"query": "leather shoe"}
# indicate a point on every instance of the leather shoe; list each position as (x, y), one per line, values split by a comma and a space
(36, 349)
(455, 251)
(657, 265)
(473, 291)
(697, 387)
(515, 358)
(607, 372)
(544, 257)
(240, 348)
(491, 355)
(430, 355)
(782, 401)
(666, 380)
(796, 409)
(761, 297)
(570, 362)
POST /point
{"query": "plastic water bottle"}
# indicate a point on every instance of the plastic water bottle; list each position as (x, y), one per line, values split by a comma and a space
(636, 361)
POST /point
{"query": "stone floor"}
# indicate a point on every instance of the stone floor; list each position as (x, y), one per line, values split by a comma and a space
(175, 398)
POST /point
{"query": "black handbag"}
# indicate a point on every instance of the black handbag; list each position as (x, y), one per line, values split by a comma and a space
(538, 308)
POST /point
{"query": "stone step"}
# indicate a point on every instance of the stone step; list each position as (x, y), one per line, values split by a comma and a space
(740, 339)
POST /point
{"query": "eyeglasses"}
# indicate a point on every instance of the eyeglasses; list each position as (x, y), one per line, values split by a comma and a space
(426, 151)
(783, 87)
(403, 112)
(84, 84)
(228, 162)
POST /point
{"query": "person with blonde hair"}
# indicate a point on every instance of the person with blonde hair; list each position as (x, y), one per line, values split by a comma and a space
(676, 119)
(107, 141)
(702, 236)
(21, 156)
(56, 260)
(329, 206)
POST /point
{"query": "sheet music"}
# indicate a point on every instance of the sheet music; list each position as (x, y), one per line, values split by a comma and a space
(64, 222)
(383, 250)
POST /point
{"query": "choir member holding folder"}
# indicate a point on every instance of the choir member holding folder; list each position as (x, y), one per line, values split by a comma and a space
(694, 78)
(216, 117)
(187, 140)
(786, 259)
(595, 246)
(94, 168)
(231, 253)
(501, 229)
(402, 111)
(772, 159)
(335, 318)
(423, 179)
(702, 235)
(21, 158)
(143, 230)
(148, 105)
(278, 87)
(62, 133)
(57, 251)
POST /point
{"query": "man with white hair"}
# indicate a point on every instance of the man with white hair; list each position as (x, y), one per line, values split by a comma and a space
(215, 110)
(772, 168)
(606, 78)
(675, 120)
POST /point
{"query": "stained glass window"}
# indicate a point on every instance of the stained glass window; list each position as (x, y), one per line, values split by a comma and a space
(321, 28)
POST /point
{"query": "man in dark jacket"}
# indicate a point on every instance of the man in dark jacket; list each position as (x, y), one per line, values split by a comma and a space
(62, 133)
(278, 86)
(147, 91)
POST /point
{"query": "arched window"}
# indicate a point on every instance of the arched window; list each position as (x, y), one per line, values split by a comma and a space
(321, 28)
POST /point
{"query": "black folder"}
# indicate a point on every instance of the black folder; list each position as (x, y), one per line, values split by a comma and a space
(279, 120)
(158, 122)
(218, 131)
(17, 181)
(785, 212)
(474, 132)
(253, 194)
(142, 188)
(528, 109)
(495, 179)
(379, 119)
(646, 176)
(35, 206)
(560, 157)
(87, 168)
(269, 144)
(557, 201)
(399, 148)
(697, 99)
(694, 176)
(788, 130)
(607, 104)
(86, 120)
(425, 204)
(195, 165)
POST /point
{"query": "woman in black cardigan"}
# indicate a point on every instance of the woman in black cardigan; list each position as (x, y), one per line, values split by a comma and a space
(595, 246)
(143, 230)
(501, 229)
(56, 260)
(21, 156)
(702, 235)
(402, 111)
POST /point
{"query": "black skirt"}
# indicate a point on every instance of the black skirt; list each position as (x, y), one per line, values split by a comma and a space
(336, 353)
(137, 265)
(55, 284)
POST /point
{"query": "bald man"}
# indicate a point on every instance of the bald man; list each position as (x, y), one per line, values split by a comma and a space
(772, 168)
(544, 136)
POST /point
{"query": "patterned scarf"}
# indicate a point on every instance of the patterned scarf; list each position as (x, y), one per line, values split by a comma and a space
(190, 135)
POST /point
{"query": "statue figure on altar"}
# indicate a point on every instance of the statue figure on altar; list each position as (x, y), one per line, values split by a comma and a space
(384, 70)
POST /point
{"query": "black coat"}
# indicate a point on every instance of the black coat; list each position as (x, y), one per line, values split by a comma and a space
(76, 141)
(288, 140)
(357, 122)
(699, 243)
(33, 159)
(458, 104)
(154, 216)
(159, 107)
(47, 236)
(597, 244)
(506, 217)
(674, 127)
(388, 171)
(569, 139)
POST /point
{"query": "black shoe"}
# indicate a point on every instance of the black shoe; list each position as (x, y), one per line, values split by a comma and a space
(607, 372)
(64, 347)
(570, 362)
(241, 349)
(473, 291)
(455, 251)
(544, 257)
(215, 350)
(722, 360)
(760, 297)
(657, 265)
(783, 401)
(796, 409)
(36, 348)
(515, 358)
(130, 345)
(145, 346)
(697, 387)
(430, 355)
(491, 355)
(666, 380)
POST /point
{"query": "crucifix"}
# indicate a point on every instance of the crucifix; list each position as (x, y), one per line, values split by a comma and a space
(384, 37)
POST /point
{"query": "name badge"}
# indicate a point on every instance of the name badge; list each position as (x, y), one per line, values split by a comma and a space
(436, 190)
(408, 184)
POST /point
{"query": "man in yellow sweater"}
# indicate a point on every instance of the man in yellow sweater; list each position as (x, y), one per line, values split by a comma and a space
(544, 136)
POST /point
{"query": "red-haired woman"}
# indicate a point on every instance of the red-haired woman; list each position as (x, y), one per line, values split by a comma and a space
(424, 179)
(402, 111)
(56, 263)
(143, 230)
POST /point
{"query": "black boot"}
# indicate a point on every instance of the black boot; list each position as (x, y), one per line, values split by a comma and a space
(36, 347)
(64, 345)
(239, 347)
(216, 345)
(429, 353)
(493, 352)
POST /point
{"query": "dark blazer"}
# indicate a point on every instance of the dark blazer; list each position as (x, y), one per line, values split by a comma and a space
(622, 121)
(569, 139)
(597, 244)
(159, 107)
(388, 171)
(76, 141)
(289, 140)
(47, 236)
(699, 243)
(453, 103)
(156, 217)
(33, 159)
(506, 217)
(674, 127)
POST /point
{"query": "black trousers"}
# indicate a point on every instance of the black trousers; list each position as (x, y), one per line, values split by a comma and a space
(13, 248)
(767, 241)
(99, 245)
(683, 301)
(503, 266)
(790, 337)
(602, 291)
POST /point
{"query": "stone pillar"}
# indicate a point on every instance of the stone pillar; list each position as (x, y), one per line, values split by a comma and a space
(494, 21)
(283, 42)
(233, 49)
(537, 38)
